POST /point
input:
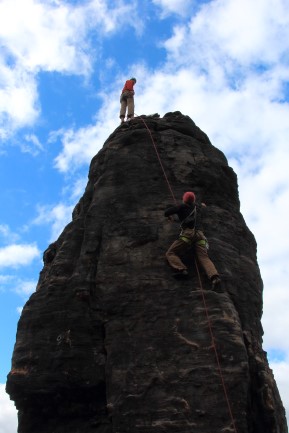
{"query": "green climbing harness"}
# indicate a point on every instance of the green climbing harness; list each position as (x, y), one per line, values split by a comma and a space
(201, 242)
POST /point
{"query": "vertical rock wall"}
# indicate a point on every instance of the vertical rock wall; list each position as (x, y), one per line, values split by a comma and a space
(110, 342)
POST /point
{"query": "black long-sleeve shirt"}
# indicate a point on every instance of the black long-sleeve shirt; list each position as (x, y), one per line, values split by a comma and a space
(183, 211)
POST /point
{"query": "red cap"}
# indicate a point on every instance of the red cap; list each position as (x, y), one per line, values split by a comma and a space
(189, 197)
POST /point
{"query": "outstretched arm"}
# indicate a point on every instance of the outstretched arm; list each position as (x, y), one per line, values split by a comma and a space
(171, 211)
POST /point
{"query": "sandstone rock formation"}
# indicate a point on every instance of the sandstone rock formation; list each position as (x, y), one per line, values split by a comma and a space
(110, 342)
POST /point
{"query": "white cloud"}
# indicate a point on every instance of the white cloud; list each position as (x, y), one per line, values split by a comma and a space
(19, 310)
(18, 98)
(233, 33)
(7, 234)
(8, 413)
(179, 7)
(109, 18)
(56, 216)
(275, 319)
(49, 36)
(247, 31)
(75, 189)
(52, 36)
(5, 280)
(78, 188)
(12, 283)
(36, 36)
(42, 35)
(80, 145)
(25, 288)
(31, 144)
(16, 255)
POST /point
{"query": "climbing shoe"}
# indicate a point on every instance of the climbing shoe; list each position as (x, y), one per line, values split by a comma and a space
(182, 273)
(216, 283)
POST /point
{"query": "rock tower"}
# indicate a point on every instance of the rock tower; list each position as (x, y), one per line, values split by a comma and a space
(110, 342)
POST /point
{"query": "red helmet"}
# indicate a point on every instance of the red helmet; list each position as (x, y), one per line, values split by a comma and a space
(189, 197)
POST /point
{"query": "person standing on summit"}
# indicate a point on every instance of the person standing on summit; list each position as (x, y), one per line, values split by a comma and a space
(191, 237)
(127, 100)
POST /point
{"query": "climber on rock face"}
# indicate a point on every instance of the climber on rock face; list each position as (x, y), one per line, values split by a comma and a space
(191, 237)
(127, 100)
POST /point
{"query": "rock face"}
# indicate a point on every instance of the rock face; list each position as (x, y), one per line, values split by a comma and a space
(110, 342)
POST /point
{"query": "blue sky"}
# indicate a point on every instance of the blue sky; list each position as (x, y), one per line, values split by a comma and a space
(225, 63)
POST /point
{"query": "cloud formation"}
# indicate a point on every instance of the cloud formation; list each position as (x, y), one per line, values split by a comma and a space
(7, 234)
(179, 7)
(16, 255)
(8, 413)
(26, 288)
(57, 216)
(48, 37)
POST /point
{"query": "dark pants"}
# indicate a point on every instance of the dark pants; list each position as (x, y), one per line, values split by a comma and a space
(191, 240)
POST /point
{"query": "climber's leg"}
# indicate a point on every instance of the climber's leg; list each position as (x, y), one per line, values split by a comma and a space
(123, 105)
(203, 258)
(130, 108)
(173, 254)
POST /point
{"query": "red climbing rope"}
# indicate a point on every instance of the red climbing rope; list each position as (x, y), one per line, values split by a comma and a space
(202, 291)
(159, 158)
(215, 350)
